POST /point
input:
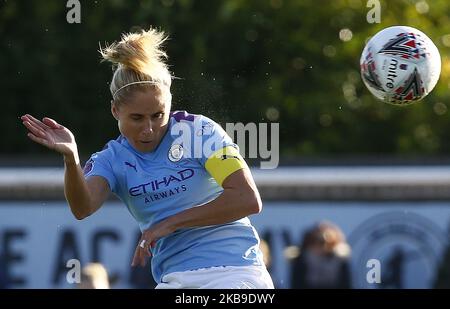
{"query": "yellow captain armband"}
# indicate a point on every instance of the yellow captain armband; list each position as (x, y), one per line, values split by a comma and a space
(224, 162)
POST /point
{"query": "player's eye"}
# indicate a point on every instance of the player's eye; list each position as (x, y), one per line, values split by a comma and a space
(158, 115)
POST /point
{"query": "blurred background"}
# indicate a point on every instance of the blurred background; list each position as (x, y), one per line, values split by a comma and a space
(359, 182)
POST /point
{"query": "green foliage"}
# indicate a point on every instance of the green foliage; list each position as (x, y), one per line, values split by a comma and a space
(237, 60)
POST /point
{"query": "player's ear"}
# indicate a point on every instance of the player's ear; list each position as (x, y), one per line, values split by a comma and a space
(114, 111)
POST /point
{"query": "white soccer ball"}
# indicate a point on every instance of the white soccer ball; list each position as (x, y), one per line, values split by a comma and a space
(400, 65)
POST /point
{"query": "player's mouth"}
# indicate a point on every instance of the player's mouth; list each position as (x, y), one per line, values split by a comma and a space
(146, 142)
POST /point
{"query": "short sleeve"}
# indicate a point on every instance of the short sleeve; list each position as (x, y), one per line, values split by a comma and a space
(99, 165)
(214, 138)
(221, 155)
(205, 140)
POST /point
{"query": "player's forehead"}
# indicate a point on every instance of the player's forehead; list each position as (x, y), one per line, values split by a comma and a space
(145, 102)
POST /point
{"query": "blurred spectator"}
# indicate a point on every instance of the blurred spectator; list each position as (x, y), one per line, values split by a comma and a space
(265, 249)
(94, 276)
(323, 261)
(442, 280)
(443, 272)
(3, 273)
(395, 269)
(264, 246)
(141, 278)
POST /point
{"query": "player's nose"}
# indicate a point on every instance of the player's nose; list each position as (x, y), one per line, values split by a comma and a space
(148, 127)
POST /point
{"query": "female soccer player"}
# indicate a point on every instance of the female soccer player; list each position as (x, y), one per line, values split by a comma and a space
(180, 176)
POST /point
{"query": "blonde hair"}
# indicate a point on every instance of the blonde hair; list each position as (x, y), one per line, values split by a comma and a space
(139, 62)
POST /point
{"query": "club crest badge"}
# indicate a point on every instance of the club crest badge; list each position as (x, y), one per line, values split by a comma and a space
(175, 153)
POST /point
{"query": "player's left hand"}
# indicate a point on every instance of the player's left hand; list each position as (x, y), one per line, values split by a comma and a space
(148, 240)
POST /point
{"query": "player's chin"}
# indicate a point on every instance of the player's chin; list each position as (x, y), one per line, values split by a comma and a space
(146, 146)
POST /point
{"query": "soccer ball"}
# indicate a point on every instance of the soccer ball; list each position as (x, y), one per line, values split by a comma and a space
(400, 65)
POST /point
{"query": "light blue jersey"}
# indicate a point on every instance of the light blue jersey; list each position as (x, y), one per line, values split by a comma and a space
(173, 178)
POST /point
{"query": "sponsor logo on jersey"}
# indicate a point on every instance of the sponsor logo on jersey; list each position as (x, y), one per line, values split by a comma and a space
(161, 183)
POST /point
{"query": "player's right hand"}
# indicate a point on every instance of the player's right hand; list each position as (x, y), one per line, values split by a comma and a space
(50, 134)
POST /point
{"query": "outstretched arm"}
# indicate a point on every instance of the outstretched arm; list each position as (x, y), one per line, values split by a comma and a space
(84, 197)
